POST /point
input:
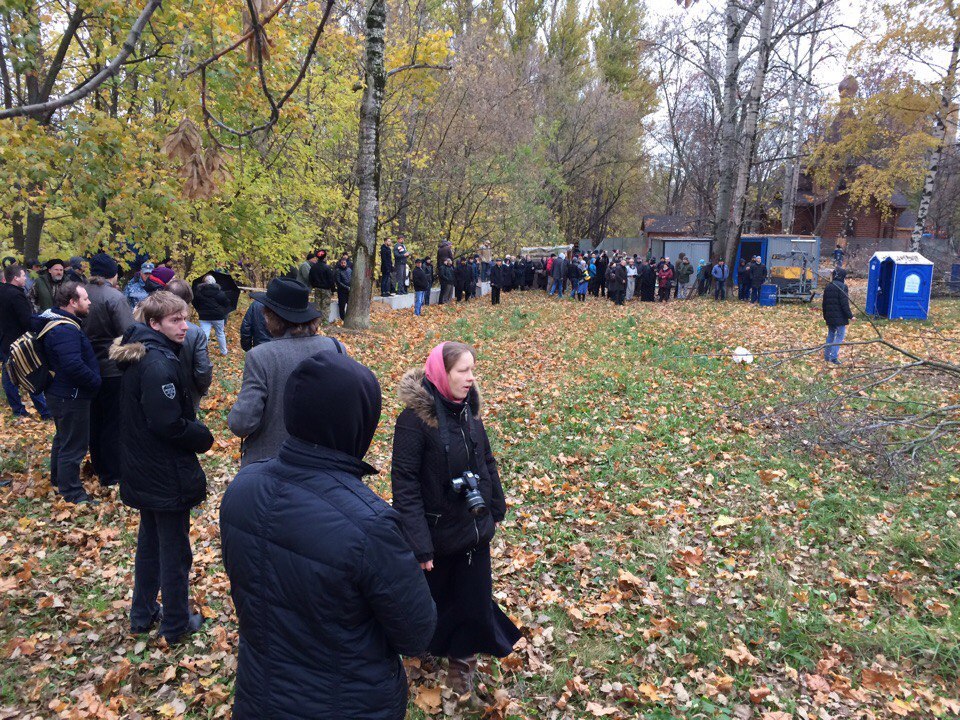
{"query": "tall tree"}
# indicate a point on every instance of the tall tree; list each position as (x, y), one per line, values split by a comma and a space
(368, 168)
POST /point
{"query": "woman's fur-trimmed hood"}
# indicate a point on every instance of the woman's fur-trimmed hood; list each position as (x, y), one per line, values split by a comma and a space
(418, 398)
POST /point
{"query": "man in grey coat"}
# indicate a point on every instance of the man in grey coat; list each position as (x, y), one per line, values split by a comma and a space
(194, 354)
(108, 319)
(257, 415)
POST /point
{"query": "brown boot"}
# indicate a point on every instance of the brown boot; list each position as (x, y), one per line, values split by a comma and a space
(461, 673)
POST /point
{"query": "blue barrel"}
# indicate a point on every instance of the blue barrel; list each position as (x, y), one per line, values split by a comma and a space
(955, 278)
(769, 295)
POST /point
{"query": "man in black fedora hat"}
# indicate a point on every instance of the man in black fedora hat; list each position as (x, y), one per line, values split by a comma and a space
(257, 415)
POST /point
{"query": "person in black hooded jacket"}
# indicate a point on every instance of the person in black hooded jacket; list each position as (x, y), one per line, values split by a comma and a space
(160, 474)
(327, 592)
(438, 437)
(836, 314)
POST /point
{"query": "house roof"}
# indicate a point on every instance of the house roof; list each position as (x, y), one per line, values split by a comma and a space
(668, 224)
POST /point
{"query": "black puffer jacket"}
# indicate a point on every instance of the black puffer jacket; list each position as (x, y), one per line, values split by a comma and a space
(436, 521)
(211, 302)
(160, 436)
(836, 301)
(327, 592)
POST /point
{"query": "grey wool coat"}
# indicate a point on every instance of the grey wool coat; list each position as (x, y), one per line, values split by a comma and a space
(257, 415)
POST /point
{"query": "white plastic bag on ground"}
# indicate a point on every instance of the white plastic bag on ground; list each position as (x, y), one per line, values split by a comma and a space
(742, 355)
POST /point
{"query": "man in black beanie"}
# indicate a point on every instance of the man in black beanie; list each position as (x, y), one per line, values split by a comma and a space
(318, 566)
(109, 318)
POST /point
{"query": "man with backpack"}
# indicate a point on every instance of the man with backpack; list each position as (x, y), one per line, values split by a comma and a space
(15, 312)
(76, 380)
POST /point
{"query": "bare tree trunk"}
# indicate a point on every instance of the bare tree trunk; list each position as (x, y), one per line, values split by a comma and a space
(940, 131)
(728, 126)
(368, 170)
(749, 135)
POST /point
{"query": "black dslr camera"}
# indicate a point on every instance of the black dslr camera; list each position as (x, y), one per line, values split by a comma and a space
(468, 485)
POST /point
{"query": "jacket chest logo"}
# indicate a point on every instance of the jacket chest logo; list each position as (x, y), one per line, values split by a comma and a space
(170, 390)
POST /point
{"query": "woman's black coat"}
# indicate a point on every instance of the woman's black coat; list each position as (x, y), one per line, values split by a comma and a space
(436, 521)
(211, 302)
(159, 433)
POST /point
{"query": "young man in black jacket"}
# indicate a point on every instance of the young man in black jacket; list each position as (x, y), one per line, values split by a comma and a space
(836, 314)
(15, 312)
(161, 476)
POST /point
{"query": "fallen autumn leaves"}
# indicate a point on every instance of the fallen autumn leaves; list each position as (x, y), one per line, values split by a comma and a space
(665, 556)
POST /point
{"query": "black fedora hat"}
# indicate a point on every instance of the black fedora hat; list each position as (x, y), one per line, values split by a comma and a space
(290, 299)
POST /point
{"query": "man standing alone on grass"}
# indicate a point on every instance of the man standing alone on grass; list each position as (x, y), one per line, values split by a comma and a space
(161, 476)
(76, 380)
(108, 319)
(15, 315)
(836, 314)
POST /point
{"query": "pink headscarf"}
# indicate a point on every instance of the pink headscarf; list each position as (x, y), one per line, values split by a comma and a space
(436, 373)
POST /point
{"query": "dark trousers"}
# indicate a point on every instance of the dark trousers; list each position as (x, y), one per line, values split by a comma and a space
(720, 291)
(162, 564)
(72, 419)
(755, 294)
(13, 395)
(443, 294)
(105, 431)
(342, 296)
(386, 287)
(494, 295)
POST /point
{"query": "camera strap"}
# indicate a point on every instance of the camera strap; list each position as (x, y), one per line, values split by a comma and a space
(442, 426)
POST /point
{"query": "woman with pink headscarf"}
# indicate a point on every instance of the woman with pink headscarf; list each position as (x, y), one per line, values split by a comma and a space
(447, 490)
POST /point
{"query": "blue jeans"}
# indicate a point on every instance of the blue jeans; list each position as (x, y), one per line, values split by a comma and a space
(755, 294)
(418, 300)
(557, 287)
(217, 325)
(835, 336)
(13, 396)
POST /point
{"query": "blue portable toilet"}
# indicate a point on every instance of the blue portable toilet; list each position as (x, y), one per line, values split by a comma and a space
(898, 285)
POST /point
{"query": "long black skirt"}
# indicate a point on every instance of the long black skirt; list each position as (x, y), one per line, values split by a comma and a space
(469, 621)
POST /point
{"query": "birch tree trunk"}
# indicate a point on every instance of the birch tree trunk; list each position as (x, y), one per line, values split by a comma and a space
(368, 170)
(940, 132)
(749, 135)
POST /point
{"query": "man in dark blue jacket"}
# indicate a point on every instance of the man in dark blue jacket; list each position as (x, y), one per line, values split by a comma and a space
(72, 360)
(327, 591)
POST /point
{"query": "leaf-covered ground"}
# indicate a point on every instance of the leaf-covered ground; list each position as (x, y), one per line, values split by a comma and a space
(675, 547)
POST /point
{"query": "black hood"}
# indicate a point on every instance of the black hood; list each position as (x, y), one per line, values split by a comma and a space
(839, 274)
(333, 401)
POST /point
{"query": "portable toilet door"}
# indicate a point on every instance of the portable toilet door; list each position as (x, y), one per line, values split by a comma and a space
(910, 298)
